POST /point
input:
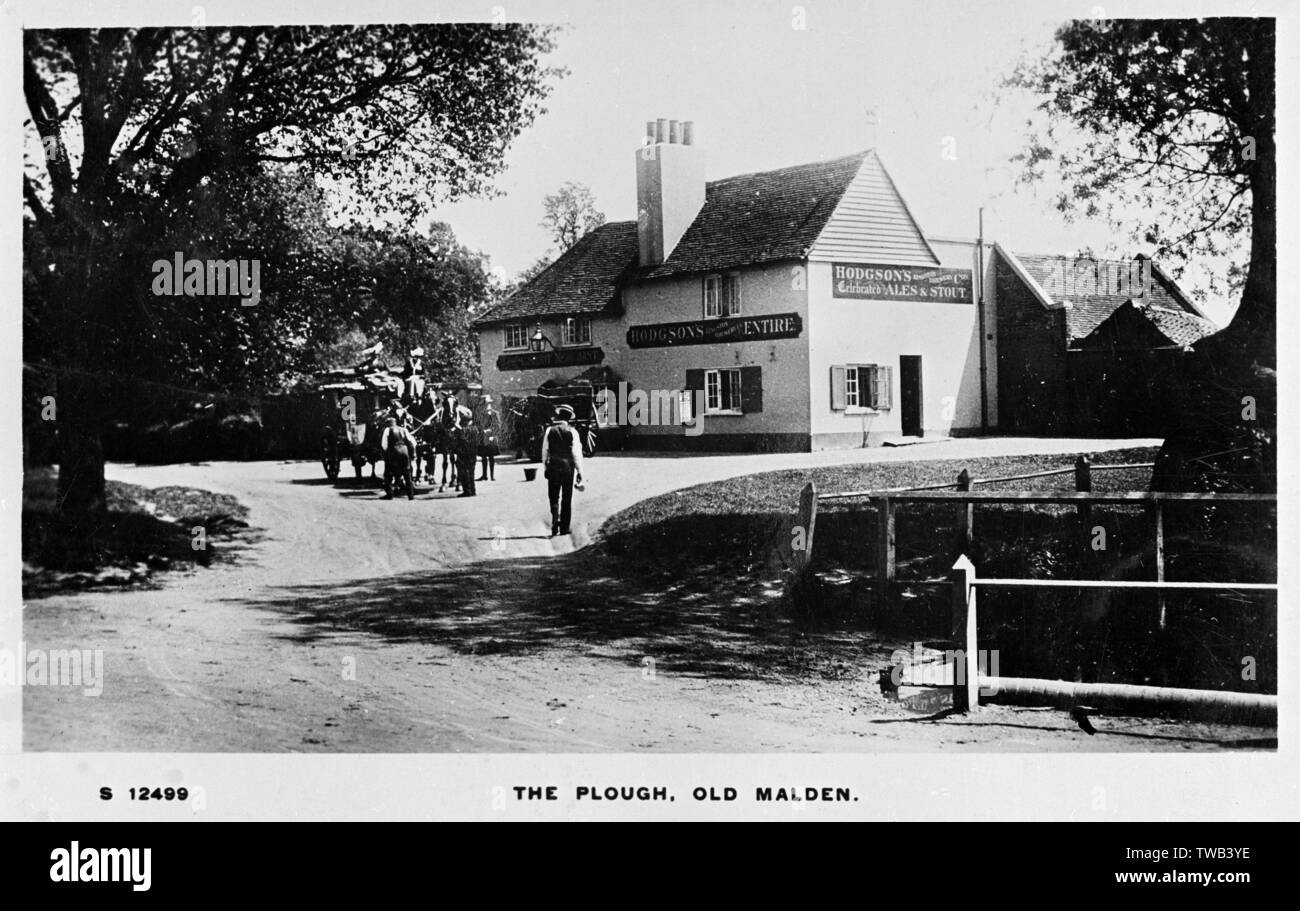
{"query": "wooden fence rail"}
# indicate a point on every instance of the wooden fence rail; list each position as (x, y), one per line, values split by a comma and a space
(1082, 471)
(964, 499)
(966, 678)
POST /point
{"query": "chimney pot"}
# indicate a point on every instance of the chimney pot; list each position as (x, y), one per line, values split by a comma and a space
(688, 132)
(650, 131)
(661, 130)
(674, 131)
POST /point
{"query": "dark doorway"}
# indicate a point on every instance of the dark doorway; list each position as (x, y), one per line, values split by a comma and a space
(909, 375)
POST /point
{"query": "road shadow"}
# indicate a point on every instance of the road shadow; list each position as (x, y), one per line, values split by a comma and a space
(702, 619)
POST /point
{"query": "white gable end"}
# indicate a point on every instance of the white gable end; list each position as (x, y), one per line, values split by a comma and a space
(871, 224)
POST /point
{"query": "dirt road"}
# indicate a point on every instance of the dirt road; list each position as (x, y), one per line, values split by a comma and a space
(321, 637)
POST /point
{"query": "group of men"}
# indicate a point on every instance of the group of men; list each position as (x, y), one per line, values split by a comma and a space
(457, 434)
(465, 436)
(561, 454)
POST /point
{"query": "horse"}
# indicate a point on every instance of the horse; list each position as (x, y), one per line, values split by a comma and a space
(424, 413)
(445, 422)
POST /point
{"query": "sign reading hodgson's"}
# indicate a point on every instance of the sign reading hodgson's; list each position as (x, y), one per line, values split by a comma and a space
(902, 283)
(716, 331)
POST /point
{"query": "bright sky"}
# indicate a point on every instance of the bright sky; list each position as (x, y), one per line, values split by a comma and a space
(766, 94)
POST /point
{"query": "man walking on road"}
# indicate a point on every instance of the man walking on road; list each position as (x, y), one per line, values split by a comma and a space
(562, 458)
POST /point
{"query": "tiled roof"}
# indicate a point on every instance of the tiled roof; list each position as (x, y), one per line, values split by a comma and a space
(1179, 327)
(584, 280)
(759, 218)
(1095, 289)
(753, 218)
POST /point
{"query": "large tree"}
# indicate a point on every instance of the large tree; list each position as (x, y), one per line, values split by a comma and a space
(1176, 119)
(418, 291)
(131, 129)
(570, 213)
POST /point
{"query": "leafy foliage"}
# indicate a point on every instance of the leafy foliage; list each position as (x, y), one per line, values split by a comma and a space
(1175, 118)
(1160, 116)
(259, 143)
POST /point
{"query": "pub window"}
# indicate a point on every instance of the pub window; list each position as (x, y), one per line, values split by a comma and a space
(722, 391)
(712, 296)
(577, 331)
(731, 295)
(721, 295)
(861, 386)
(516, 336)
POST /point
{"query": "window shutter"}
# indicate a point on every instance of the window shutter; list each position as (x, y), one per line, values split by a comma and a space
(694, 379)
(751, 390)
(837, 388)
(885, 387)
(685, 406)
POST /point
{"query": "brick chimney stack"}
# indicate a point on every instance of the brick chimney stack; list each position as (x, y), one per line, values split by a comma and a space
(669, 187)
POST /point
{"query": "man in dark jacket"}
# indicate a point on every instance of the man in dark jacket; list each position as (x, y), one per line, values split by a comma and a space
(562, 458)
(468, 440)
(398, 447)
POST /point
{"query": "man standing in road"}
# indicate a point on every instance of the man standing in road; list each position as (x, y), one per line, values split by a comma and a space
(562, 459)
(490, 424)
(468, 441)
(398, 447)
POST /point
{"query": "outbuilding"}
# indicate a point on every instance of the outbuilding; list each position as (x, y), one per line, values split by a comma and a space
(804, 308)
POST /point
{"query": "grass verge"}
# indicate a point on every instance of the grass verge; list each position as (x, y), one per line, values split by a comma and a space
(740, 530)
(145, 531)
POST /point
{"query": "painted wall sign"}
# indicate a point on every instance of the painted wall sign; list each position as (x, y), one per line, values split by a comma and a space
(716, 331)
(902, 283)
(559, 357)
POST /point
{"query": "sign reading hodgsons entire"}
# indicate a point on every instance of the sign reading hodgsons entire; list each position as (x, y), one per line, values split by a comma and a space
(716, 331)
(902, 283)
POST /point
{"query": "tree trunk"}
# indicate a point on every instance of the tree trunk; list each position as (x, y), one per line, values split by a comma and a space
(80, 406)
(1224, 428)
(80, 293)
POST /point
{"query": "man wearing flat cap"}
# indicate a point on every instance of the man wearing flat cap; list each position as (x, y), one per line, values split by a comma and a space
(562, 459)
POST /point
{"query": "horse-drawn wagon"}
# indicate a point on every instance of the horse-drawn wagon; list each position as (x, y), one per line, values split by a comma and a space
(355, 409)
(351, 426)
(534, 413)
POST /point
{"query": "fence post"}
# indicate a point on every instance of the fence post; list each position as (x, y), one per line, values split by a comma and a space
(1160, 557)
(1083, 484)
(884, 552)
(1083, 511)
(965, 516)
(807, 522)
(965, 655)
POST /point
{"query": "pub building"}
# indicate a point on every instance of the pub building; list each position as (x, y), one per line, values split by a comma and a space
(805, 309)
